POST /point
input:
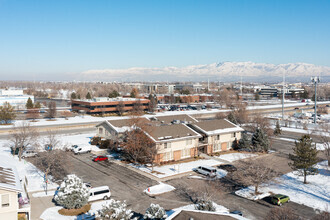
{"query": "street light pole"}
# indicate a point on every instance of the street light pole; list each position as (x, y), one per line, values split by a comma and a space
(315, 80)
(283, 95)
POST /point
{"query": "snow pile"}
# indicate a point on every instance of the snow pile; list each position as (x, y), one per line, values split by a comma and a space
(43, 194)
(159, 189)
(170, 170)
(236, 156)
(315, 194)
(218, 208)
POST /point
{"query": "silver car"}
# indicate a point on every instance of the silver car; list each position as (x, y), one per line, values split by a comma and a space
(29, 153)
(206, 170)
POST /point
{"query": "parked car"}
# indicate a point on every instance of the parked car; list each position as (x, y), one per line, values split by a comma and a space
(97, 193)
(227, 167)
(82, 149)
(279, 199)
(29, 153)
(206, 170)
(100, 158)
(237, 212)
(71, 148)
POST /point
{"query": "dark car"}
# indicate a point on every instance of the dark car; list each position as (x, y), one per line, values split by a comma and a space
(237, 212)
(227, 167)
(100, 158)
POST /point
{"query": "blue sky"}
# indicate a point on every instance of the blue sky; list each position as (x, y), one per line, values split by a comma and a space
(52, 39)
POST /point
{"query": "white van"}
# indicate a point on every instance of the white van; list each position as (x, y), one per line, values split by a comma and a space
(206, 170)
(82, 149)
(29, 153)
(97, 193)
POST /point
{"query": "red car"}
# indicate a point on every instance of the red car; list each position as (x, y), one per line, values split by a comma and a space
(100, 158)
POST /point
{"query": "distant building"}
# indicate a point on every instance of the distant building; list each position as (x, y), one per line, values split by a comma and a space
(14, 97)
(108, 105)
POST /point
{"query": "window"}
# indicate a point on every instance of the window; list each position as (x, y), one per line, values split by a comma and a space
(100, 130)
(185, 153)
(167, 145)
(100, 192)
(168, 156)
(5, 200)
(217, 147)
(217, 137)
(233, 134)
(188, 142)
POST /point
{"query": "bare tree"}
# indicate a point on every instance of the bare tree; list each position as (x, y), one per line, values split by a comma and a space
(120, 108)
(51, 111)
(54, 161)
(253, 172)
(325, 139)
(283, 213)
(137, 107)
(138, 146)
(23, 136)
(322, 216)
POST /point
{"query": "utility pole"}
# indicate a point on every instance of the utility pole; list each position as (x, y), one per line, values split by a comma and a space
(283, 95)
(315, 80)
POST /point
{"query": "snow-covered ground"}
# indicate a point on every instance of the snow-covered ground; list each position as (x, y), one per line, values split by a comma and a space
(25, 169)
(315, 194)
(236, 156)
(170, 170)
(159, 189)
(52, 213)
(43, 194)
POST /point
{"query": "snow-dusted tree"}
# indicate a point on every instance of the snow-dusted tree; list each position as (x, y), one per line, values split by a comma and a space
(115, 210)
(73, 193)
(232, 118)
(205, 205)
(277, 130)
(260, 141)
(155, 211)
(304, 157)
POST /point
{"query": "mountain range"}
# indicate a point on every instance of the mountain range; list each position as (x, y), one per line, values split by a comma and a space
(223, 71)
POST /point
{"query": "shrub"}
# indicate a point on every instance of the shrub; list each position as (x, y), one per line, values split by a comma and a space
(104, 144)
(114, 210)
(75, 212)
(95, 140)
(205, 205)
(155, 211)
(73, 193)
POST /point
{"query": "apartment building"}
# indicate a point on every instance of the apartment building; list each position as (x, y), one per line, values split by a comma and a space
(10, 191)
(178, 137)
(218, 135)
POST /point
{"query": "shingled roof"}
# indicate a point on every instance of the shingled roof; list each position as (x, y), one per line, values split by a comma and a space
(170, 132)
(216, 126)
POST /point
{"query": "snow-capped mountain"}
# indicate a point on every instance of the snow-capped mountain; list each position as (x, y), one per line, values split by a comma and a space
(224, 71)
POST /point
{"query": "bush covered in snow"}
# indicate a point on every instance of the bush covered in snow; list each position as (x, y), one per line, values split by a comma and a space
(73, 193)
(115, 210)
(155, 211)
(205, 205)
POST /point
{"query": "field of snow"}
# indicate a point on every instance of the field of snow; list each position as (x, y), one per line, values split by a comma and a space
(236, 156)
(159, 189)
(170, 170)
(315, 194)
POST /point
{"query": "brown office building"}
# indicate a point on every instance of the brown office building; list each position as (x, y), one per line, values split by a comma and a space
(108, 105)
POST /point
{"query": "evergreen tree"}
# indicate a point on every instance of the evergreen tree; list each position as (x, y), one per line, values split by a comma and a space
(277, 130)
(78, 96)
(304, 95)
(73, 193)
(244, 142)
(88, 96)
(7, 113)
(113, 94)
(37, 105)
(232, 118)
(155, 211)
(304, 157)
(134, 93)
(260, 141)
(256, 96)
(73, 95)
(205, 205)
(115, 210)
(29, 103)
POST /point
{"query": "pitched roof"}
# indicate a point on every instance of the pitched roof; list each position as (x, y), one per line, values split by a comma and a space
(166, 133)
(9, 178)
(168, 119)
(218, 126)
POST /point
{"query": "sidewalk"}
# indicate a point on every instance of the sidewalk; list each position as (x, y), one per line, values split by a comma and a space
(39, 205)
